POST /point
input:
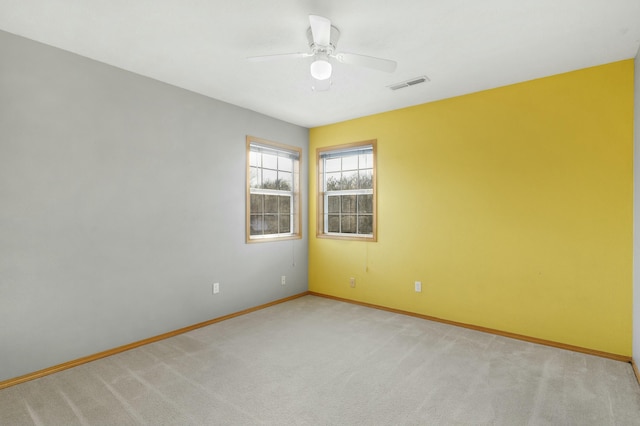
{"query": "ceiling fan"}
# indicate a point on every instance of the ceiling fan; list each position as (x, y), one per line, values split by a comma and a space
(323, 40)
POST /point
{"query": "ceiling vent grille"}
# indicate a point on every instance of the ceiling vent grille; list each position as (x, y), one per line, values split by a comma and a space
(409, 83)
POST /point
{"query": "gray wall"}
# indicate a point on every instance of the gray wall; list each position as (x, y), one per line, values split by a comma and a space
(121, 202)
(636, 213)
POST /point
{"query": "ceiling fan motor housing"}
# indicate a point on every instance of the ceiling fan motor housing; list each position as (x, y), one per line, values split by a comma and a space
(315, 48)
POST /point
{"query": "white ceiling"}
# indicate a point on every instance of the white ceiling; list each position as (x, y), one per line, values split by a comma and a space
(463, 46)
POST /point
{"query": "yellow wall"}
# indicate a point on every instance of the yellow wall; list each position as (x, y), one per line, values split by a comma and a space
(513, 206)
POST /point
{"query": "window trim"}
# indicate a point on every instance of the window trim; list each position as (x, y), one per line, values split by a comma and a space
(320, 200)
(296, 234)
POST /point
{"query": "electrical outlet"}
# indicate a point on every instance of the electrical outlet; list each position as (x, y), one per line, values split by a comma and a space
(352, 282)
(216, 288)
(283, 281)
(418, 286)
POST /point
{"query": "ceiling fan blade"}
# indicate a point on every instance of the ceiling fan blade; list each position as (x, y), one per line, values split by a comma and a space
(320, 85)
(321, 30)
(379, 64)
(279, 56)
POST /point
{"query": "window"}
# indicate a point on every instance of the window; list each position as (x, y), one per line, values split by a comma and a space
(347, 191)
(273, 191)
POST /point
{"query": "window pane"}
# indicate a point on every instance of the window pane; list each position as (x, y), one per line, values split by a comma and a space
(256, 178)
(350, 162)
(365, 203)
(333, 204)
(348, 203)
(254, 159)
(269, 179)
(285, 181)
(285, 163)
(365, 179)
(350, 180)
(257, 201)
(257, 225)
(270, 223)
(332, 165)
(334, 223)
(285, 223)
(365, 224)
(271, 204)
(349, 224)
(270, 161)
(366, 161)
(333, 182)
(285, 204)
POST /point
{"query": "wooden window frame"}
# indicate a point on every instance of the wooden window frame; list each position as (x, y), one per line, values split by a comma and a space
(296, 228)
(321, 232)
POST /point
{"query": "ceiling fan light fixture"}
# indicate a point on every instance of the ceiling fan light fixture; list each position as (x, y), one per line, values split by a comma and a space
(321, 69)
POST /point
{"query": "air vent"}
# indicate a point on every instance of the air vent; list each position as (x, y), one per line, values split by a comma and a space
(408, 83)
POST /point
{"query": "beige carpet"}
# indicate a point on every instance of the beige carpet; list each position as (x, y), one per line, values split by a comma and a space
(314, 361)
